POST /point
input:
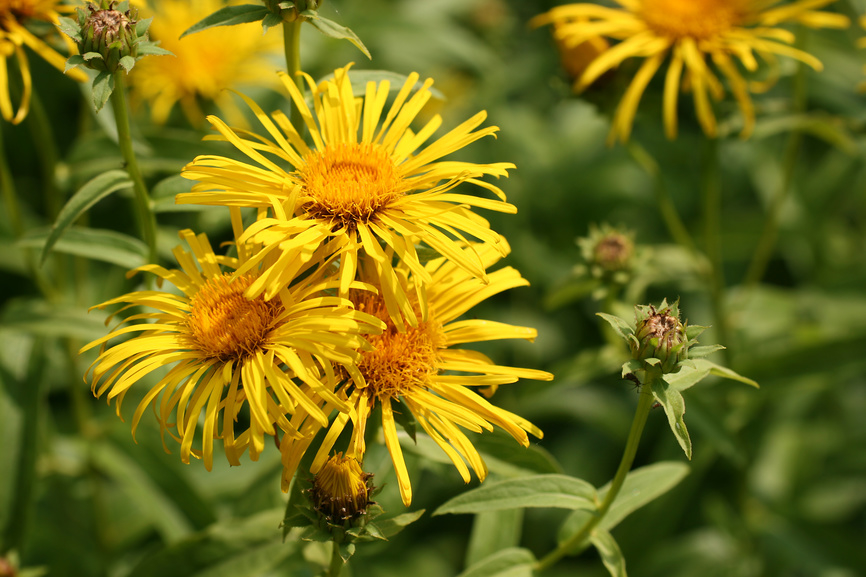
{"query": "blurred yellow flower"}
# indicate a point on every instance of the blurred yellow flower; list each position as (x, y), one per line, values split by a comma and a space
(229, 354)
(691, 32)
(418, 371)
(368, 179)
(204, 64)
(14, 36)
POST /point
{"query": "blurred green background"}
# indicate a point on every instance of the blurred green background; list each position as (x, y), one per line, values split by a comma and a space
(778, 479)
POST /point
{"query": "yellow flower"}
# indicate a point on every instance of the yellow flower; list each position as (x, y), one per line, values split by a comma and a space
(14, 15)
(367, 179)
(421, 372)
(204, 64)
(229, 354)
(691, 32)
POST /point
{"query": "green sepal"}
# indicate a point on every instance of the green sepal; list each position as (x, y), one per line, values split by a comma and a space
(693, 332)
(333, 30)
(141, 27)
(88, 56)
(346, 551)
(675, 407)
(229, 16)
(316, 533)
(622, 327)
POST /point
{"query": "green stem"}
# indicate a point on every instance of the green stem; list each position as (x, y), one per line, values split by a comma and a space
(143, 211)
(712, 192)
(674, 223)
(336, 561)
(644, 404)
(767, 242)
(292, 46)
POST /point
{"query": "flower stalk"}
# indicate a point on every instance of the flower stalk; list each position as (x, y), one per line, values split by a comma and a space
(143, 210)
(292, 46)
(645, 403)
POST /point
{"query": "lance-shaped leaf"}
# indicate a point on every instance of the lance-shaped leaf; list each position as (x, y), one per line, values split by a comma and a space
(672, 402)
(610, 553)
(88, 195)
(559, 491)
(105, 245)
(229, 16)
(622, 327)
(334, 30)
(103, 86)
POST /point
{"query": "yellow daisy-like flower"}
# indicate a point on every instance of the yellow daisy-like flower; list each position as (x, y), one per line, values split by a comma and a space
(419, 370)
(14, 36)
(204, 64)
(690, 32)
(229, 354)
(368, 179)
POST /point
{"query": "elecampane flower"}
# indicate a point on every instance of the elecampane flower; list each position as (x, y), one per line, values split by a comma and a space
(690, 34)
(14, 36)
(368, 183)
(204, 64)
(422, 370)
(229, 355)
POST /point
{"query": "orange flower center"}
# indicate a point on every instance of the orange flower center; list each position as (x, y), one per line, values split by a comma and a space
(349, 183)
(400, 361)
(697, 19)
(225, 324)
(23, 9)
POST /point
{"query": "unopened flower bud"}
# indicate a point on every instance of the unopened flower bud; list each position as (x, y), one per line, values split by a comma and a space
(659, 334)
(613, 252)
(109, 33)
(341, 489)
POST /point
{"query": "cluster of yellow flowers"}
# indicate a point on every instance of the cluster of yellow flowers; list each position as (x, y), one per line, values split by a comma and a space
(327, 311)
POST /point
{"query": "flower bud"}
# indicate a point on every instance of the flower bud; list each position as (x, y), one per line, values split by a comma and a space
(659, 334)
(341, 489)
(109, 33)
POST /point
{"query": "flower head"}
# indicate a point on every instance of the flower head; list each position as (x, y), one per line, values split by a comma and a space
(204, 65)
(14, 36)
(368, 185)
(230, 355)
(691, 33)
(421, 371)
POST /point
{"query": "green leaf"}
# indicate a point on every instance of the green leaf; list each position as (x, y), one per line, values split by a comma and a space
(229, 16)
(609, 551)
(270, 20)
(127, 62)
(152, 49)
(86, 196)
(103, 86)
(73, 61)
(333, 30)
(294, 516)
(641, 486)
(37, 317)
(621, 326)
(142, 25)
(675, 407)
(725, 372)
(559, 491)
(494, 531)
(392, 526)
(69, 27)
(701, 352)
(514, 562)
(105, 245)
